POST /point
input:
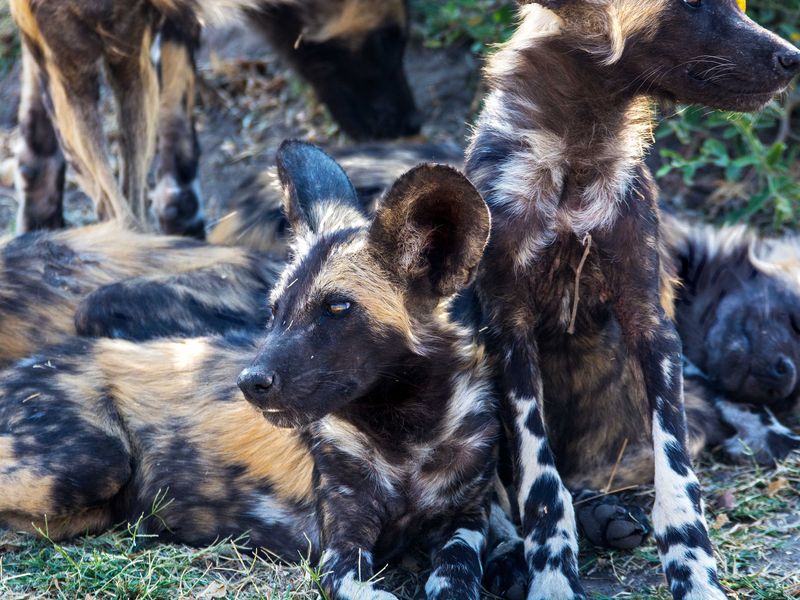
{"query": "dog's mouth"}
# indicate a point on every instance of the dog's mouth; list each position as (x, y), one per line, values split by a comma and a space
(285, 418)
(734, 90)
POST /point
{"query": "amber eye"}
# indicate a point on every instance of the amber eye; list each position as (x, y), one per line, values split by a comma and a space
(338, 309)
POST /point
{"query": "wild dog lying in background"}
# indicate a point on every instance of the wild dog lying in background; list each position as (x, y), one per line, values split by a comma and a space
(393, 423)
(738, 313)
(572, 282)
(47, 277)
(350, 50)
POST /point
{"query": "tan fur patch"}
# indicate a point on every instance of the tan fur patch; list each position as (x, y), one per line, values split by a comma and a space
(26, 491)
(354, 18)
(277, 456)
(93, 520)
(203, 395)
(353, 271)
(22, 13)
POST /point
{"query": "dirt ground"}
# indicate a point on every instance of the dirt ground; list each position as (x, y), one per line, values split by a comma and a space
(249, 103)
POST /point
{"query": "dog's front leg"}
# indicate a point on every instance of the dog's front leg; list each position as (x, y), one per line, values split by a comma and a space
(545, 504)
(631, 266)
(457, 563)
(350, 523)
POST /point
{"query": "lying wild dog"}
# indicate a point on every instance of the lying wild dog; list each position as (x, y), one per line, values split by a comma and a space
(738, 313)
(571, 283)
(391, 422)
(47, 275)
(350, 50)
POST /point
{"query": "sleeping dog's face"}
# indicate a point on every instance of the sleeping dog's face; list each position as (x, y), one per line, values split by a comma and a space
(753, 344)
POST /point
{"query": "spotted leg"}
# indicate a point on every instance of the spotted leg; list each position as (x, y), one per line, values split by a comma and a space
(350, 523)
(545, 504)
(652, 340)
(457, 564)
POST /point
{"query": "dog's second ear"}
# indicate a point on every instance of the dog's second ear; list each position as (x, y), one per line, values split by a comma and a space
(318, 194)
(431, 230)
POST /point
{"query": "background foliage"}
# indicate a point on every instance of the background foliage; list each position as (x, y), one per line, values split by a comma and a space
(729, 166)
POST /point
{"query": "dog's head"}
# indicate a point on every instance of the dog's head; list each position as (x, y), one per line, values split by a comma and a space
(362, 299)
(695, 51)
(747, 338)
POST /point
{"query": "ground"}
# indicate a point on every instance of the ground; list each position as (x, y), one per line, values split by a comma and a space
(249, 104)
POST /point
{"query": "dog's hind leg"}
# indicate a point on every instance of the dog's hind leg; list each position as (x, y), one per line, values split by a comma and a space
(40, 163)
(178, 201)
(133, 78)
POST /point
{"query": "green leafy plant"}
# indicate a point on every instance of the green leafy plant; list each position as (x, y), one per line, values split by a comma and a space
(481, 23)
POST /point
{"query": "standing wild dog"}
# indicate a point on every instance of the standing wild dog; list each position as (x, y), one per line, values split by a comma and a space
(391, 423)
(738, 313)
(351, 51)
(571, 283)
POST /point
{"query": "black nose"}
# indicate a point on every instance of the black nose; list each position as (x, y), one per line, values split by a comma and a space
(788, 61)
(256, 384)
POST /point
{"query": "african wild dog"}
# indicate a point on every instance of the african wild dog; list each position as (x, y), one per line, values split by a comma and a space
(48, 277)
(737, 313)
(350, 50)
(389, 415)
(571, 283)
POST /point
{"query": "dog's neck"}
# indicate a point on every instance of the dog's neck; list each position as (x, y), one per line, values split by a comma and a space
(562, 137)
(420, 392)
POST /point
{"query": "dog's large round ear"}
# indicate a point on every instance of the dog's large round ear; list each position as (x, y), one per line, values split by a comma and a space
(317, 194)
(431, 230)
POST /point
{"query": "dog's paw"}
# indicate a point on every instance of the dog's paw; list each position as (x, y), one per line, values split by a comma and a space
(608, 524)
(506, 572)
